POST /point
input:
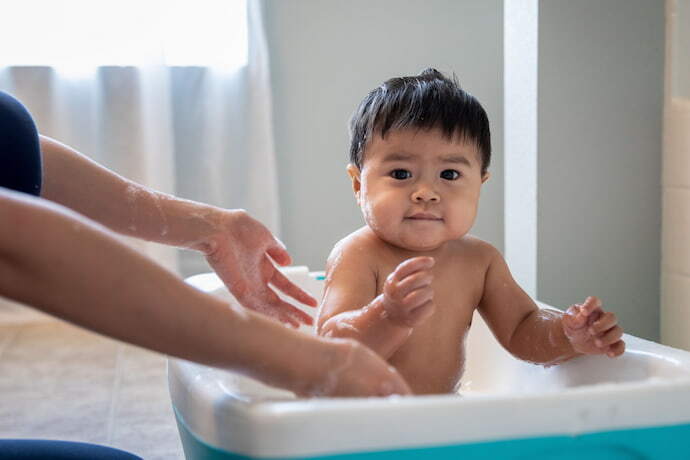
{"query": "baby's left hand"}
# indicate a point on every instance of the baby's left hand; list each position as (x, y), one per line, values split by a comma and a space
(592, 331)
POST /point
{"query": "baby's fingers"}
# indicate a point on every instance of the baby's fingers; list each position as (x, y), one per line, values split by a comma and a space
(608, 338)
(616, 349)
(573, 319)
(590, 306)
(603, 324)
(418, 298)
(416, 280)
(412, 265)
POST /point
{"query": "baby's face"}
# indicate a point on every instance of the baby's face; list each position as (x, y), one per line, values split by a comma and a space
(417, 189)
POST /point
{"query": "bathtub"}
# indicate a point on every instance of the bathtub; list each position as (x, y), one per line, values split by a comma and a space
(636, 406)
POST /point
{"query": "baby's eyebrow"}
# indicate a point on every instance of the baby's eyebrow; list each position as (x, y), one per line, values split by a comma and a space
(396, 156)
(456, 159)
(452, 158)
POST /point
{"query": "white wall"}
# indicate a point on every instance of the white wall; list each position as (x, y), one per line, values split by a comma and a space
(675, 273)
(326, 55)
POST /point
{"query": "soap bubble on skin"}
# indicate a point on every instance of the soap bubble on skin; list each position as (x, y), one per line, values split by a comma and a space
(343, 326)
(368, 213)
(333, 376)
(157, 197)
(133, 195)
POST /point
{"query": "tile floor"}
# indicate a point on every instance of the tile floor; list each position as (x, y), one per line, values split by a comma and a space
(58, 381)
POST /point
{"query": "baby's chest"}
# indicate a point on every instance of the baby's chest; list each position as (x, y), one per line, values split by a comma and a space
(453, 283)
(457, 292)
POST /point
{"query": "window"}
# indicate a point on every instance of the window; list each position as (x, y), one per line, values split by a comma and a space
(73, 34)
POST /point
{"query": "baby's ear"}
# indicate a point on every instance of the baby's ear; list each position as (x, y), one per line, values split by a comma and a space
(354, 173)
(486, 176)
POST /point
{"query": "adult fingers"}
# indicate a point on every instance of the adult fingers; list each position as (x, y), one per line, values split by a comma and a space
(271, 305)
(293, 313)
(278, 253)
(373, 375)
(281, 282)
(393, 384)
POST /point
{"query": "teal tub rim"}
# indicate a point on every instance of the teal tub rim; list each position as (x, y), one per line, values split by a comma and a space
(657, 442)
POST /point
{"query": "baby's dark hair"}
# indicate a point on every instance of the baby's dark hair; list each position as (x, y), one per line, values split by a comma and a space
(425, 101)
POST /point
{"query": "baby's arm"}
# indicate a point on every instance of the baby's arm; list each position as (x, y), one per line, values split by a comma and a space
(544, 336)
(351, 309)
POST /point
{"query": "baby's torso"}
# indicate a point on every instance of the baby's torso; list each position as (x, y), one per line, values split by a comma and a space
(432, 359)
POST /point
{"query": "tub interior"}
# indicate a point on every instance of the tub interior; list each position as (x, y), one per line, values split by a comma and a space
(489, 369)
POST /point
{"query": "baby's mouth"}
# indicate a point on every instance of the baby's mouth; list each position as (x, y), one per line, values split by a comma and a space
(424, 216)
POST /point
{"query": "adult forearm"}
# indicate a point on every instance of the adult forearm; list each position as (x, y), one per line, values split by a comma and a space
(65, 265)
(75, 181)
(539, 338)
(370, 326)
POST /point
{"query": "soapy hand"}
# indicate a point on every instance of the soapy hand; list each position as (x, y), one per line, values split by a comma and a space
(242, 252)
(593, 331)
(354, 370)
(407, 292)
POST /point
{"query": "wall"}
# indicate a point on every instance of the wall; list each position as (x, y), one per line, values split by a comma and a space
(325, 57)
(675, 273)
(600, 117)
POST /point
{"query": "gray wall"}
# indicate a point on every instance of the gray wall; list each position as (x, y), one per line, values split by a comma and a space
(680, 68)
(325, 56)
(600, 115)
(600, 118)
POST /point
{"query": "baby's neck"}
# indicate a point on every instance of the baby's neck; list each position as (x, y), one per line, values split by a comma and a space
(435, 252)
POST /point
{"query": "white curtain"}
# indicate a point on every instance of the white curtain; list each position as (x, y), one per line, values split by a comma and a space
(202, 133)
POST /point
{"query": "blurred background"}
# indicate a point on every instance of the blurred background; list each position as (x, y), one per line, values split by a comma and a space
(245, 104)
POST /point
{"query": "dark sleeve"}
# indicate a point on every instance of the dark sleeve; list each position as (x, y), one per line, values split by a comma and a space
(20, 151)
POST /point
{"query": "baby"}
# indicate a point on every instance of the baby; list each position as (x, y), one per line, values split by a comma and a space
(407, 283)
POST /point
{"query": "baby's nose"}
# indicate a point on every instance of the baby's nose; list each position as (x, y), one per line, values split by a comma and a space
(425, 194)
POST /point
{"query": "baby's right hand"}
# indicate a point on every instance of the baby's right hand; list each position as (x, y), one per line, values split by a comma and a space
(407, 292)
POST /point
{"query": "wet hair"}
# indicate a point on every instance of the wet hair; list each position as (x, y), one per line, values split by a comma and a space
(425, 101)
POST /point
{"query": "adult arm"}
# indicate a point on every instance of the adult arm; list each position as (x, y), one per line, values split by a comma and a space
(66, 265)
(239, 248)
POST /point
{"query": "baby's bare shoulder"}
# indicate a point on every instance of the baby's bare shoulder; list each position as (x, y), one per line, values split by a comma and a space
(358, 247)
(478, 250)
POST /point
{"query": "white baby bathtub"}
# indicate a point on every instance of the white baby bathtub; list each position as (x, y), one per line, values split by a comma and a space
(636, 406)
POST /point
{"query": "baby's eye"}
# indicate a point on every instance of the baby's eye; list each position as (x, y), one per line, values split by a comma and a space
(450, 174)
(401, 174)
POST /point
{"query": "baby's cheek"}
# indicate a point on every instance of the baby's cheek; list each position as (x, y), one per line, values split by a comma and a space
(379, 213)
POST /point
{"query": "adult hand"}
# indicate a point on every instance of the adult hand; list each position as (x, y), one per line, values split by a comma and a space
(242, 252)
(353, 370)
